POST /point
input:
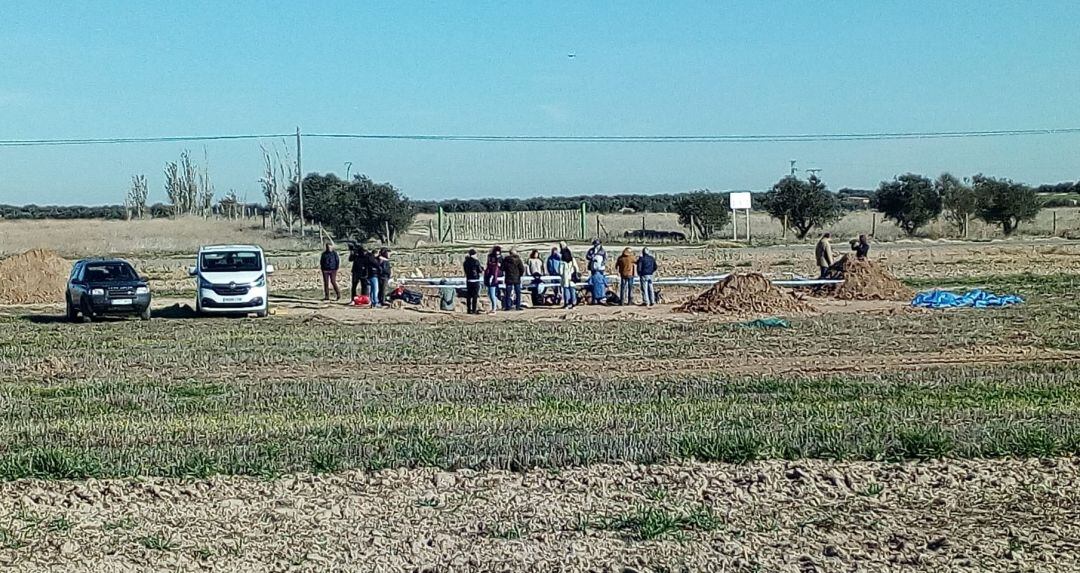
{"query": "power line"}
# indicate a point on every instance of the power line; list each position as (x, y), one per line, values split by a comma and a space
(115, 140)
(733, 138)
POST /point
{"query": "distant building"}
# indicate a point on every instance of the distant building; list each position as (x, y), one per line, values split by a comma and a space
(855, 202)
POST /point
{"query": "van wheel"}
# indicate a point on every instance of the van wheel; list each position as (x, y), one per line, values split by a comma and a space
(262, 313)
(145, 314)
(70, 311)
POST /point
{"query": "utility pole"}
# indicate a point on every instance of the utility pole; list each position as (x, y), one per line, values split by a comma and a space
(792, 167)
(348, 169)
(300, 180)
(813, 172)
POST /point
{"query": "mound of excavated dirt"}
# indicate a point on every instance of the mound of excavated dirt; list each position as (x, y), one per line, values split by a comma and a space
(865, 280)
(35, 276)
(744, 294)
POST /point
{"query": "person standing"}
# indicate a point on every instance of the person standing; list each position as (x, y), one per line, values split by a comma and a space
(861, 247)
(474, 272)
(328, 264)
(358, 258)
(626, 265)
(824, 255)
(513, 269)
(646, 268)
(385, 273)
(552, 266)
(492, 274)
(596, 252)
(374, 267)
(568, 272)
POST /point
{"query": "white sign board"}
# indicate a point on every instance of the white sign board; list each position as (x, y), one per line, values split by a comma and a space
(740, 200)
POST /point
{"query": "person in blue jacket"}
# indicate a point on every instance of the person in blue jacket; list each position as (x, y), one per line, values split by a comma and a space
(646, 268)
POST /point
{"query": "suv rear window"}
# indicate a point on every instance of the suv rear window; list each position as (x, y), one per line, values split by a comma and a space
(109, 272)
(231, 261)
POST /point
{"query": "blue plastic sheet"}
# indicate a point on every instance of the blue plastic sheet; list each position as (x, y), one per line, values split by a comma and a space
(975, 298)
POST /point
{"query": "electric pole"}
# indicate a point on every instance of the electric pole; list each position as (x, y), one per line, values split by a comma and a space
(348, 169)
(813, 172)
(792, 167)
(300, 180)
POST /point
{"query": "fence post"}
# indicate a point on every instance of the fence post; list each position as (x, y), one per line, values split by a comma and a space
(584, 223)
(1054, 232)
(440, 220)
(873, 224)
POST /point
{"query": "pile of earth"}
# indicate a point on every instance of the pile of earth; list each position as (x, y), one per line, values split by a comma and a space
(864, 280)
(744, 294)
(36, 276)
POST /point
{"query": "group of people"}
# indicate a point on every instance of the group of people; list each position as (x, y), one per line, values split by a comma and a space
(511, 270)
(824, 253)
(371, 273)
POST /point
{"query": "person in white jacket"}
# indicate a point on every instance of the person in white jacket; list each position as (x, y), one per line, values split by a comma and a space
(568, 270)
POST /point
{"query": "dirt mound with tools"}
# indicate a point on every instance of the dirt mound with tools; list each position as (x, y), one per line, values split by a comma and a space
(36, 276)
(744, 294)
(864, 280)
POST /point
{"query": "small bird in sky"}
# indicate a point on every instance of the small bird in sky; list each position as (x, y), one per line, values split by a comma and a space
(571, 55)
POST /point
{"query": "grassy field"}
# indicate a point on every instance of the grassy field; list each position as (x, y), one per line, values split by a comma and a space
(192, 398)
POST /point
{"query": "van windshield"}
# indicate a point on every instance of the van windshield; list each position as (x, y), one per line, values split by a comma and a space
(231, 261)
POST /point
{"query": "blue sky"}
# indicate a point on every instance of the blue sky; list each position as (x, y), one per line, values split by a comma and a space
(111, 68)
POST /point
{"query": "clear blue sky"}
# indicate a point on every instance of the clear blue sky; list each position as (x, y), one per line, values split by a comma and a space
(125, 68)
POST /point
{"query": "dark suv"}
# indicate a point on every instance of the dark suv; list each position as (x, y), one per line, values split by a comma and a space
(106, 286)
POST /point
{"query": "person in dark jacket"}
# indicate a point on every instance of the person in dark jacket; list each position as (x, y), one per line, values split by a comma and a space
(492, 274)
(384, 274)
(358, 258)
(328, 264)
(513, 269)
(474, 272)
(552, 266)
(861, 247)
(646, 268)
(373, 268)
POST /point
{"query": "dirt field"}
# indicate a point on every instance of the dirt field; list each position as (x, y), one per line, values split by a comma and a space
(766, 516)
(866, 435)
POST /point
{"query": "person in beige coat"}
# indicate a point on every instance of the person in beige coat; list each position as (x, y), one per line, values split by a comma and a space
(824, 254)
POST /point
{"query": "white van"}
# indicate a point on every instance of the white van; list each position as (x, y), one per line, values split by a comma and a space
(231, 279)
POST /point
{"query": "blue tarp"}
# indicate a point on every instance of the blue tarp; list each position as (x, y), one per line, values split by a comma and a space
(975, 298)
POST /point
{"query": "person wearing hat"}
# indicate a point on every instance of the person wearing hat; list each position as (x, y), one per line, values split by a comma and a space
(474, 272)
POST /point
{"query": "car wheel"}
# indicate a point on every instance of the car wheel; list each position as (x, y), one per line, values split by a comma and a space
(262, 313)
(70, 311)
(145, 314)
(87, 314)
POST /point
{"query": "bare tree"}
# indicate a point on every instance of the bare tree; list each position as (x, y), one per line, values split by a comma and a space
(135, 202)
(188, 188)
(277, 173)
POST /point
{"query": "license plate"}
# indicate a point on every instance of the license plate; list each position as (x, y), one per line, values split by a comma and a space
(120, 301)
(231, 299)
